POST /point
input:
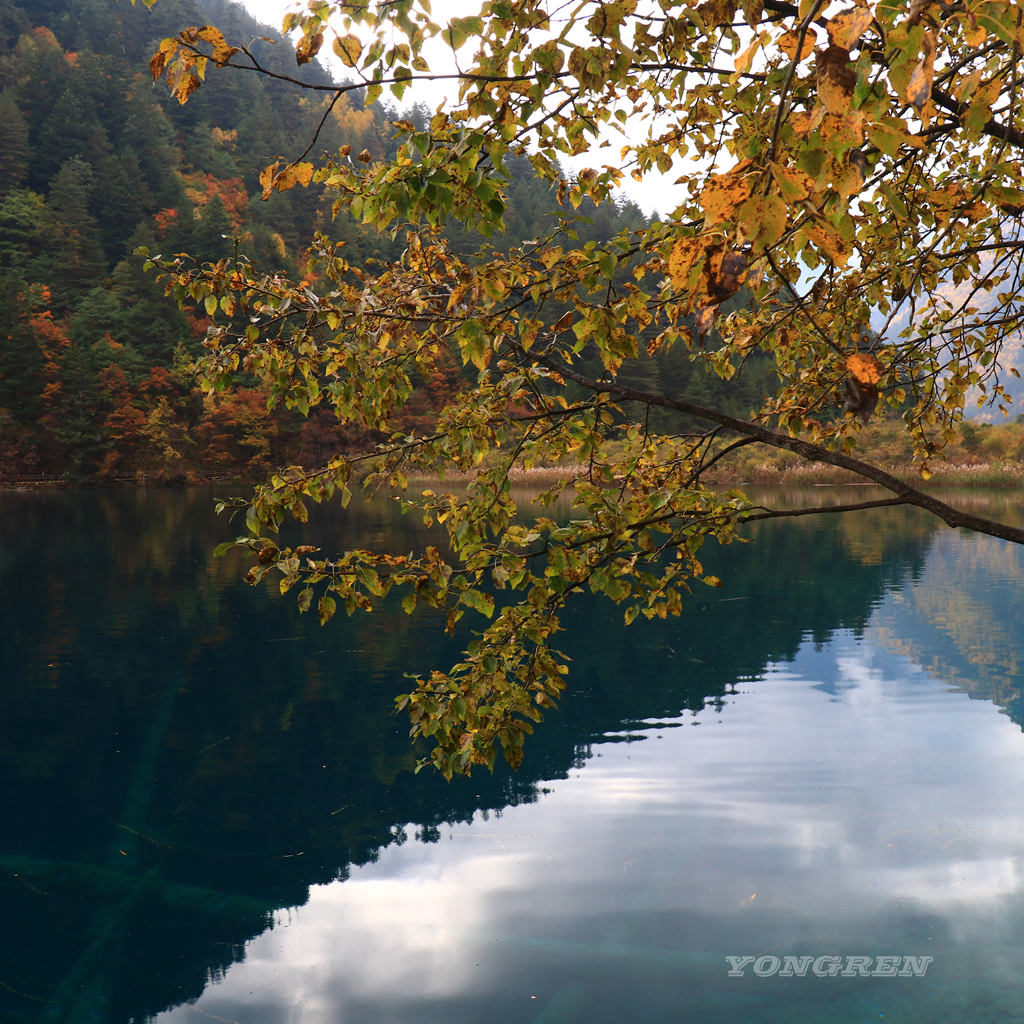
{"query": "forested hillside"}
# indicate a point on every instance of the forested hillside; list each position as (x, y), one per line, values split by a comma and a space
(97, 162)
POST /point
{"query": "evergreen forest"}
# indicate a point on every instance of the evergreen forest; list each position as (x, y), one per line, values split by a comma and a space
(98, 163)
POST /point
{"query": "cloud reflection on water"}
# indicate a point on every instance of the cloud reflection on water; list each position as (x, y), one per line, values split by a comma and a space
(847, 801)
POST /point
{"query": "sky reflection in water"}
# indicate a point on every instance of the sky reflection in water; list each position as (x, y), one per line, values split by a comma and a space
(849, 801)
(823, 757)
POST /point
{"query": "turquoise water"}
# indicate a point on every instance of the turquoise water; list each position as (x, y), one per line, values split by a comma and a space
(209, 810)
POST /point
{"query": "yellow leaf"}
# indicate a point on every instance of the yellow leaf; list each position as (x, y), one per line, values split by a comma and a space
(308, 47)
(267, 176)
(222, 53)
(851, 180)
(348, 48)
(761, 220)
(188, 82)
(975, 34)
(794, 184)
(846, 29)
(685, 254)
(919, 88)
(836, 80)
(789, 41)
(303, 173)
(829, 241)
(746, 58)
(920, 85)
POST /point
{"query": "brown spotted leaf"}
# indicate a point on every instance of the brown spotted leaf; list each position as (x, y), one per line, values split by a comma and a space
(222, 52)
(724, 192)
(836, 80)
(308, 47)
(761, 220)
(794, 184)
(704, 321)
(348, 48)
(851, 181)
(919, 88)
(845, 29)
(717, 12)
(685, 254)
(731, 272)
(829, 241)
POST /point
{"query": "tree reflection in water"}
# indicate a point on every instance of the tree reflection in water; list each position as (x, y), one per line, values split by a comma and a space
(183, 756)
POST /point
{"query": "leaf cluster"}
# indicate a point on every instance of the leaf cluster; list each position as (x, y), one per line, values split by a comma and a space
(849, 195)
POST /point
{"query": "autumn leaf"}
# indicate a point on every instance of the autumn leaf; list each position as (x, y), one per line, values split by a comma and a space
(836, 80)
(919, 89)
(829, 241)
(185, 84)
(704, 321)
(788, 43)
(731, 274)
(864, 367)
(222, 52)
(308, 47)
(563, 323)
(974, 33)
(794, 184)
(685, 253)
(851, 181)
(845, 29)
(288, 177)
(348, 49)
(267, 176)
(724, 192)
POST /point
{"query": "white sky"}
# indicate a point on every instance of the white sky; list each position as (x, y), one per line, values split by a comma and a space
(656, 194)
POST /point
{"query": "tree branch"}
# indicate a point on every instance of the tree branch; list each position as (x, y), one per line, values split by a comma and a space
(906, 494)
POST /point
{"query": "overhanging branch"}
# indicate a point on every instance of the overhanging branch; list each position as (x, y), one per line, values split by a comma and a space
(906, 494)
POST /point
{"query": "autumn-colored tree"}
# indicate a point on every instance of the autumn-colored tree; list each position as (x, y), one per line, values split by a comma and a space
(849, 172)
(125, 423)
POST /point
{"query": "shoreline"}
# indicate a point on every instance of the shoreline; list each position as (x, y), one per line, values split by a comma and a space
(1006, 476)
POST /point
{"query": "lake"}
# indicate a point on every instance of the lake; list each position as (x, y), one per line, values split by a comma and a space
(802, 800)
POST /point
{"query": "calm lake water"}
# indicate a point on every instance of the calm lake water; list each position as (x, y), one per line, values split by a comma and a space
(209, 813)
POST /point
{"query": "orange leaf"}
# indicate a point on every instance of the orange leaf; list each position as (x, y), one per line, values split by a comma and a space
(704, 321)
(685, 254)
(794, 184)
(563, 322)
(724, 192)
(188, 82)
(864, 368)
(267, 176)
